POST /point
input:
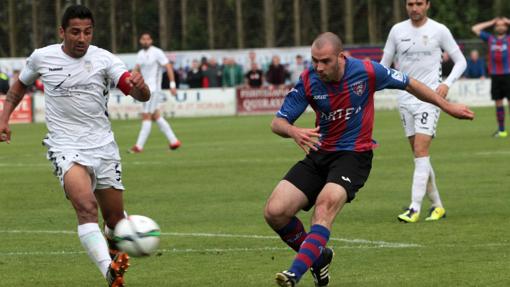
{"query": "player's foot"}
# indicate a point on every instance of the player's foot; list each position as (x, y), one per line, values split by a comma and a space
(436, 213)
(135, 149)
(321, 272)
(286, 279)
(175, 145)
(500, 134)
(115, 274)
(409, 216)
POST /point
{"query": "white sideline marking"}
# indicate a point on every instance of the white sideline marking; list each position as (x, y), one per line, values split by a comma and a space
(380, 244)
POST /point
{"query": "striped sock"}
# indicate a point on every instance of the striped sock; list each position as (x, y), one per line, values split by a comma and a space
(293, 233)
(500, 115)
(310, 250)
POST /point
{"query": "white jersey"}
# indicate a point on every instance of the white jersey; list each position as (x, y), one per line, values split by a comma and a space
(76, 94)
(417, 52)
(151, 61)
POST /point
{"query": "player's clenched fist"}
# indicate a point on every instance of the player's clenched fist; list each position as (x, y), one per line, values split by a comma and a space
(136, 80)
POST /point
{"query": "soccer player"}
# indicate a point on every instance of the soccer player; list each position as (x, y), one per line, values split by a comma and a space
(149, 61)
(80, 142)
(499, 65)
(338, 150)
(416, 46)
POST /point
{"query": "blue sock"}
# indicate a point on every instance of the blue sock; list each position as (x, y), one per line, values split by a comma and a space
(310, 250)
(500, 116)
(293, 233)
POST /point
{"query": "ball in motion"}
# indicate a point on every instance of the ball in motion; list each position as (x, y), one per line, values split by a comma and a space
(137, 235)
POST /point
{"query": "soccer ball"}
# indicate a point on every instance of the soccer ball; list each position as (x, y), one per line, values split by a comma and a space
(137, 235)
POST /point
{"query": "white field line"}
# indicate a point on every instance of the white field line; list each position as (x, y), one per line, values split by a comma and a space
(378, 243)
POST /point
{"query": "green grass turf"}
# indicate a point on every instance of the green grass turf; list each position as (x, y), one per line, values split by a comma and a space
(217, 183)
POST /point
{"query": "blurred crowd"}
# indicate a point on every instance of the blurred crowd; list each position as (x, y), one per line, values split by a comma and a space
(208, 73)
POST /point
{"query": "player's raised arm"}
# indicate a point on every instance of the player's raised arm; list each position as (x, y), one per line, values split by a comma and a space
(14, 97)
(425, 94)
(477, 28)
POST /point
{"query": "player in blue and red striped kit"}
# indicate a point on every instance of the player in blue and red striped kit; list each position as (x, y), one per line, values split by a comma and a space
(499, 65)
(338, 150)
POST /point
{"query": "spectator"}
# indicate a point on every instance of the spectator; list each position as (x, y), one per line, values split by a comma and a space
(276, 74)
(296, 69)
(212, 73)
(4, 83)
(254, 76)
(232, 73)
(194, 77)
(252, 58)
(475, 66)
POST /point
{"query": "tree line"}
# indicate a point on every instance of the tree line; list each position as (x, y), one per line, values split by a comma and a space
(228, 24)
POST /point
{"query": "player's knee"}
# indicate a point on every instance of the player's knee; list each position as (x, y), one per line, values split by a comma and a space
(154, 117)
(86, 211)
(273, 213)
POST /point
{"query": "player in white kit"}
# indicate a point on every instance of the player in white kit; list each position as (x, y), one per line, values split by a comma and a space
(149, 61)
(415, 47)
(80, 142)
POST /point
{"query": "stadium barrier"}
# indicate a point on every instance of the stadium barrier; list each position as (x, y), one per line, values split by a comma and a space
(23, 112)
(240, 101)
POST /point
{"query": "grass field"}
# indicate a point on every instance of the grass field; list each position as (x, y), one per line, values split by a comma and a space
(208, 198)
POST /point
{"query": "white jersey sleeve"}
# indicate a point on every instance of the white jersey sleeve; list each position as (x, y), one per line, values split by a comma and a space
(449, 45)
(162, 59)
(389, 49)
(30, 72)
(115, 69)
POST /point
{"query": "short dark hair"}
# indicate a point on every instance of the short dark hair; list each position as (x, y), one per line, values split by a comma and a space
(76, 11)
(145, 33)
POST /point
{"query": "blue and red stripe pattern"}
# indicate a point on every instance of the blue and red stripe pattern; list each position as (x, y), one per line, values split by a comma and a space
(310, 250)
(293, 233)
(345, 109)
(499, 54)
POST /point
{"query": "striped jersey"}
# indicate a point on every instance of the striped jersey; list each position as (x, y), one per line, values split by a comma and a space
(499, 55)
(345, 109)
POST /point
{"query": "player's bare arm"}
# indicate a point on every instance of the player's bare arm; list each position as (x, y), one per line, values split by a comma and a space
(14, 97)
(424, 93)
(171, 78)
(477, 28)
(305, 138)
(139, 89)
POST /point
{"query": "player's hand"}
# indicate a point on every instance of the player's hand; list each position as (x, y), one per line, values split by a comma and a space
(460, 111)
(136, 81)
(173, 91)
(307, 139)
(442, 90)
(5, 133)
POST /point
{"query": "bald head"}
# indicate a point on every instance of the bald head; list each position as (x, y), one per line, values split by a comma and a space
(326, 39)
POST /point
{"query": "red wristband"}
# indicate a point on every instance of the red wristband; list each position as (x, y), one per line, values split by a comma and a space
(123, 84)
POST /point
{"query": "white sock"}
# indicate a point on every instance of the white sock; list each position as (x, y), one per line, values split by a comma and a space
(432, 191)
(95, 244)
(145, 131)
(420, 178)
(167, 130)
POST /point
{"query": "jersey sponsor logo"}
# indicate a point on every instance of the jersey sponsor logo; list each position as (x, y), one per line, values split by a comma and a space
(56, 69)
(359, 88)
(340, 114)
(320, 97)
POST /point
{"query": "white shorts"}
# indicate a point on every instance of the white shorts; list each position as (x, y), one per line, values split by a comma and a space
(152, 105)
(419, 118)
(103, 164)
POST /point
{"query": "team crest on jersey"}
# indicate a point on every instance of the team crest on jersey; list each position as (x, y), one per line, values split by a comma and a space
(425, 40)
(359, 88)
(88, 66)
